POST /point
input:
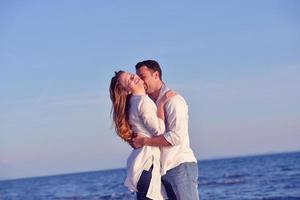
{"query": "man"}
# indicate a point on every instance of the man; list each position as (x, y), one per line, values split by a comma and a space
(178, 163)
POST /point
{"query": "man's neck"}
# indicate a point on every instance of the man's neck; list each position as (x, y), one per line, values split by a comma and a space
(154, 95)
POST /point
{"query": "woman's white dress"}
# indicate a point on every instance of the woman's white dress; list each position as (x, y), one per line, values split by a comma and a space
(143, 119)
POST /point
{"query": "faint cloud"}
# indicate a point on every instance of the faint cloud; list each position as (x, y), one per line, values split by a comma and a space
(278, 82)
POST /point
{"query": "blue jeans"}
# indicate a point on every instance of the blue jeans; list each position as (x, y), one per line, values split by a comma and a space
(181, 182)
(143, 184)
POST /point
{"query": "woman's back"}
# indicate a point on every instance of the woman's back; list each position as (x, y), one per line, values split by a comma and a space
(143, 118)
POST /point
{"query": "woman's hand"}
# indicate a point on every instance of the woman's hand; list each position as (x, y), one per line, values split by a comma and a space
(167, 96)
(160, 107)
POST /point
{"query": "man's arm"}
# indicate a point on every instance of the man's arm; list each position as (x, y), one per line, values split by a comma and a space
(177, 112)
(140, 141)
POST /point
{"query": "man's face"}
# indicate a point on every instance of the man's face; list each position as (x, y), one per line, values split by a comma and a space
(148, 77)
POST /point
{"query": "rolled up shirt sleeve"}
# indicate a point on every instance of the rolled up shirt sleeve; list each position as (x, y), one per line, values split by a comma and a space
(177, 120)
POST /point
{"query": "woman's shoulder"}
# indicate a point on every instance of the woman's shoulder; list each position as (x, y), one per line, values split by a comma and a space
(145, 102)
(138, 99)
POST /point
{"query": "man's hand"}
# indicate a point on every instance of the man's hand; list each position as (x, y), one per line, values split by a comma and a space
(137, 141)
(130, 142)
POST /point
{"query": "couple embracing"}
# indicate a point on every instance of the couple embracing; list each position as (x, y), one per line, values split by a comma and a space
(154, 121)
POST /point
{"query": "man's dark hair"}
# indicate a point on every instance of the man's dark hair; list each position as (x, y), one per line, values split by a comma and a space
(152, 65)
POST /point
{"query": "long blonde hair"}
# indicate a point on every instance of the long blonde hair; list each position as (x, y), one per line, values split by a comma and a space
(120, 107)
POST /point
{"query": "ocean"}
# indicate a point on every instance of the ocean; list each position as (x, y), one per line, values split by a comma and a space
(264, 177)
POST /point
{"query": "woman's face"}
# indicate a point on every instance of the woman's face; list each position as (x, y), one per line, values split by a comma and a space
(131, 82)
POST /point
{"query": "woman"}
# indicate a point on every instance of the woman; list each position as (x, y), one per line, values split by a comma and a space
(134, 112)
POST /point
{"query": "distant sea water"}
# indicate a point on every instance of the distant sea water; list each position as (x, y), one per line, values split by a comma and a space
(264, 177)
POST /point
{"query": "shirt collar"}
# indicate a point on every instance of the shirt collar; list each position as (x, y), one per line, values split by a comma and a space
(163, 90)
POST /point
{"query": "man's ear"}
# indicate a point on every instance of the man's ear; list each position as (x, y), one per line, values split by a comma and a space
(156, 74)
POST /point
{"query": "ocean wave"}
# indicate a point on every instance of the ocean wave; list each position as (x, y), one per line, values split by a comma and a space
(281, 198)
(227, 181)
(114, 196)
(234, 175)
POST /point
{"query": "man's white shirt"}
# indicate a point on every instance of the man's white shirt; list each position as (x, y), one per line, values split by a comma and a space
(176, 121)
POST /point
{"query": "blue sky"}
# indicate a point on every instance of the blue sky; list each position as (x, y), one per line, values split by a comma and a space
(237, 63)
